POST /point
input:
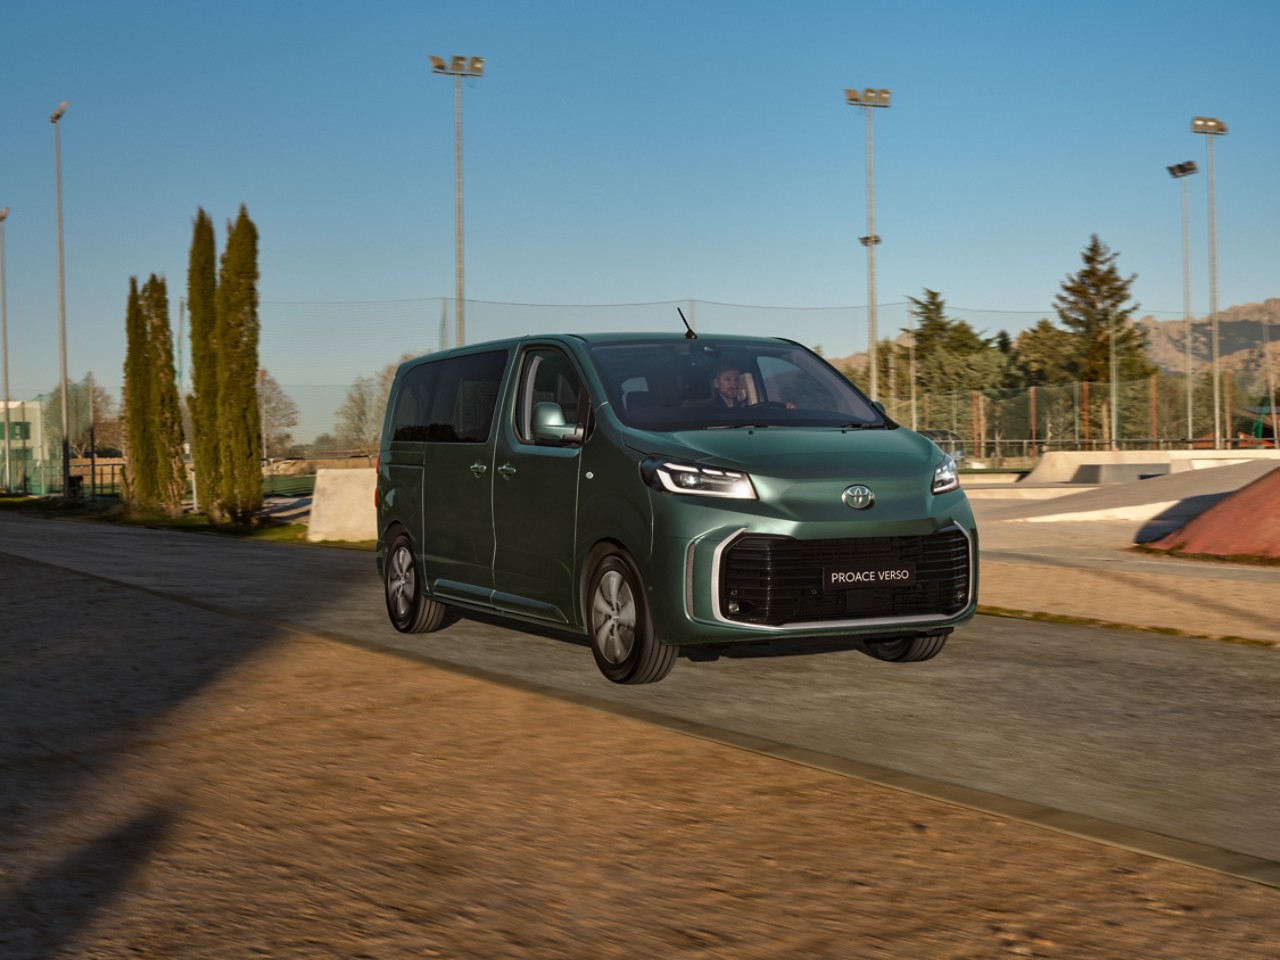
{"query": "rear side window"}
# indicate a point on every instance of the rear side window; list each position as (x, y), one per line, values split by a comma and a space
(450, 400)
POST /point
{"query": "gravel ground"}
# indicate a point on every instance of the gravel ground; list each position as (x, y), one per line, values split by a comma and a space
(271, 794)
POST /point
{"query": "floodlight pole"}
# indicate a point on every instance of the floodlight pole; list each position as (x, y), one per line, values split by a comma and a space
(868, 98)
(1180, 172)
(458, 67)
(62, 299)
(1213, 127)
(4, 344)
(1115, 385)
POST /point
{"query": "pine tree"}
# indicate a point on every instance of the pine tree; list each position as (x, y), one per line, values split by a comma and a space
(203, 402)
(1041, 354)
(239, 430)
(950, 354)
(1092, 308)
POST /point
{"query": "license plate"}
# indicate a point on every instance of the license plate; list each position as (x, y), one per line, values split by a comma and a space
(855, 576)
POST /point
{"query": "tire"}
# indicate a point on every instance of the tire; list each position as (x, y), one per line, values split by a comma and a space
(908, 649)
(410, 610)
(619, 625)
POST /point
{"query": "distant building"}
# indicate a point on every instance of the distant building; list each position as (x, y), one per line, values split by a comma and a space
(24, 461)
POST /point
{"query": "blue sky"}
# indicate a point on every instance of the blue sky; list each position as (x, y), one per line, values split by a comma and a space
(619, 153)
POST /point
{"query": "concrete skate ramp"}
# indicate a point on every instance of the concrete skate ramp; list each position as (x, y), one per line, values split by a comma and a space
(1242, 524)
(1123, 466)
(1159, 505)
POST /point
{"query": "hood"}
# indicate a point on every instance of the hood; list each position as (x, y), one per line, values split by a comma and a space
(797, 452)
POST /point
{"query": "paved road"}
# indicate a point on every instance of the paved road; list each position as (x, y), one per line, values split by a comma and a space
(1171, 735)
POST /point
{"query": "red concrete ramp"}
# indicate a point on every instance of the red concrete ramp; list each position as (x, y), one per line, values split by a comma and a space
(1246, 523)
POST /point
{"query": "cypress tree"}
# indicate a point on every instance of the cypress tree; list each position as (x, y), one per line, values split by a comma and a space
(239, 426)
(203, 402)
(139, 486)
(165, 414)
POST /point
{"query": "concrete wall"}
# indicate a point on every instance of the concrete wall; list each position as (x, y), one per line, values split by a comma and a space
(1062, 466)
(342, 506)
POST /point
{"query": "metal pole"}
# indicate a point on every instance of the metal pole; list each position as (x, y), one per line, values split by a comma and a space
(1271, 382)
(1186, 307)
(457, 160)
(1213, 304)
(93, 443)
(1115, 392)
(871, 241)
(912, 366)
(4, 342)
(62, 301)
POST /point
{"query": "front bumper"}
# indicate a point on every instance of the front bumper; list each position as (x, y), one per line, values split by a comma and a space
(761, 580)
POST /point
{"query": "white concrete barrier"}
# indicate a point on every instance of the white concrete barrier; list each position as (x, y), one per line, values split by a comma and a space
(1061, 466)
(342, 506)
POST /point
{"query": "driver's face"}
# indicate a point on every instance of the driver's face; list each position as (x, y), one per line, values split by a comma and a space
(726, 384)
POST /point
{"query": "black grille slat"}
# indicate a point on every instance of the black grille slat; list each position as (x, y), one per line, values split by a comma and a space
(775, 580)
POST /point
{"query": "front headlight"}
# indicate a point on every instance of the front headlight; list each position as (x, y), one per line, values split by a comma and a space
(679, 476)
(946, 476)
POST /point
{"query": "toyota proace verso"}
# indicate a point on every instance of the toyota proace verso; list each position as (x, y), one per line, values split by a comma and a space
(657, 491)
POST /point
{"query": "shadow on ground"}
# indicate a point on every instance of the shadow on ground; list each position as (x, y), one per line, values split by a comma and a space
(88, 670)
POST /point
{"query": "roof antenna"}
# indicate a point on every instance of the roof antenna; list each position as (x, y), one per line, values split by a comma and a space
(688, 330)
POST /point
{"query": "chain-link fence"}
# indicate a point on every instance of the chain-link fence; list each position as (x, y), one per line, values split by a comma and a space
(1014, 427)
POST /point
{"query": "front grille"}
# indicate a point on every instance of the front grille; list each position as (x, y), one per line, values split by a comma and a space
(774, 580)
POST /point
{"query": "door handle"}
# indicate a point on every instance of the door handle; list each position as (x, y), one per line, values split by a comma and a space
(478, 469)
(507, 470)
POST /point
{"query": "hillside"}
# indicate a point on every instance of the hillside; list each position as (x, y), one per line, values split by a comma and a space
(1241, 336)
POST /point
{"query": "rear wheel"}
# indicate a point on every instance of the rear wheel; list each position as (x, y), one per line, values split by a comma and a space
(622, 640)
(410, 610)
(908, 649)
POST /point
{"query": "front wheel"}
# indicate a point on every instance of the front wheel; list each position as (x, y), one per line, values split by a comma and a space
(622, 639)
(908, 649)
(411, 611)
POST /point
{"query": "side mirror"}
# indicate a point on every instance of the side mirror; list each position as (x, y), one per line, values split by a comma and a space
(548, 424)
(880, 406)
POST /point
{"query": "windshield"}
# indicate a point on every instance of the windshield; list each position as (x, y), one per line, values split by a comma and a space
(708, 384)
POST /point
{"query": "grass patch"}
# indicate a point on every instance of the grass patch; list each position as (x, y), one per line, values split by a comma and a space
(367, 545)
(1246, 559)
(111, 510)
(1114, 625)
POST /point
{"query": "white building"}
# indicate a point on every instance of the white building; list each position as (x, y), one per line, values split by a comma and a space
(24, 461)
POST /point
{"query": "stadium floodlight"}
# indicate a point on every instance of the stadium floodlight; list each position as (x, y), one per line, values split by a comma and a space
(1212, 127)
(62, 297)
(1180, 172)
(870, 97)
(4, 351)
(458, 67)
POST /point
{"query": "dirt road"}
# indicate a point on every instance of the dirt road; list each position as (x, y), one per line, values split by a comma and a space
(178, 783)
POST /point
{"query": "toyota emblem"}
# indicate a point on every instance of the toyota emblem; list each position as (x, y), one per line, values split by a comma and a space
(858, 497)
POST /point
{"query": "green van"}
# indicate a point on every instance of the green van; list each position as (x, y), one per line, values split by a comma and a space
(657, 491)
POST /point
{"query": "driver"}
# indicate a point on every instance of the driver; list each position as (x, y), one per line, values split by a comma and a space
(726, 381)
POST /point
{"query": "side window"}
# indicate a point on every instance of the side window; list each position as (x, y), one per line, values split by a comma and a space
(450, 401)
(548, 377)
